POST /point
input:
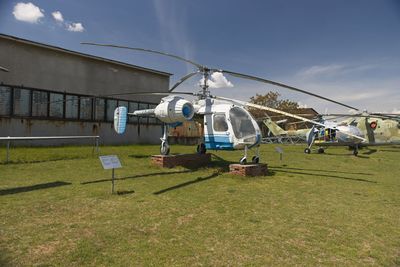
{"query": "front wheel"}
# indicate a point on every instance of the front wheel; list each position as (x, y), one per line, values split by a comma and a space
(307, 151)
(255, 160)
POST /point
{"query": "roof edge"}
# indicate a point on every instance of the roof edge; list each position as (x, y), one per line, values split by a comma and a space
(64, 50)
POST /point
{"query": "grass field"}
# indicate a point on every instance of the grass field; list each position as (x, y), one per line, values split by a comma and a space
(331, 209)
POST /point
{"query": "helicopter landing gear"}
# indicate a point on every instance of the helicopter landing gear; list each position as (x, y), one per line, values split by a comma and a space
(307, 150)
(243, 160)
(355, 151)
(201, 149)
(321, 150)
(164, 148)
(255, 159)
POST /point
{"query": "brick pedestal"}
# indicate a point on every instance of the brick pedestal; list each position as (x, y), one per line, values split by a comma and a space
(249, 170)
(185, 160)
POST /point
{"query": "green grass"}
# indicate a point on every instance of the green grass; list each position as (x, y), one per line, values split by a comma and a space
(331, 209)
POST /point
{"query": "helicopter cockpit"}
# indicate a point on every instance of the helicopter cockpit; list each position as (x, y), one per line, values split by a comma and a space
(242, 125)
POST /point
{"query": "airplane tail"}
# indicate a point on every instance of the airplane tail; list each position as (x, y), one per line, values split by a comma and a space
(273, 127)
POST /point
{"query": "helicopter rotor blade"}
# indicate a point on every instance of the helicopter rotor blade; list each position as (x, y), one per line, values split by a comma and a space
(254, 78)
(148, 51)
(369, 115)
(202, 68)
(243, 103)
(184, 78)
(4, 69)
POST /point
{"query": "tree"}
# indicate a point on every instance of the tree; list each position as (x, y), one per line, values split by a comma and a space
(271, 99)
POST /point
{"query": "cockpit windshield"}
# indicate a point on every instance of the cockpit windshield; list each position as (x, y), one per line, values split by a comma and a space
(241, 123)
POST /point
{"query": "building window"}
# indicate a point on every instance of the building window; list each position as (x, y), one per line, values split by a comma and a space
(5, 100)
(152, 119)
(71, 106)
(56, 105)
(111, 106)
(123, 103)
(22, 100)
(133, 106)
(100, 109)
(143, 120)
(85, 110)
(39, 103)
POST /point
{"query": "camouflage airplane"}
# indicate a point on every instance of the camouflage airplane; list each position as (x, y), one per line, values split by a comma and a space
(376, 130)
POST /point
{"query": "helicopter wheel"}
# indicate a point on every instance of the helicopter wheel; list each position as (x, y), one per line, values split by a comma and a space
(201, 149)
(307, 151)
(164, 149)
(321, 150)
(355, 153)
(255, 159)
(243, 161)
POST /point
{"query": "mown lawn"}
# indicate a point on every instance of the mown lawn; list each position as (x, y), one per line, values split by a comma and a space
(331, 209)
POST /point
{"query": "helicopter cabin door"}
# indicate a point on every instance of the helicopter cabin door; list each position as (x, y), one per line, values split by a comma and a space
(216, 132)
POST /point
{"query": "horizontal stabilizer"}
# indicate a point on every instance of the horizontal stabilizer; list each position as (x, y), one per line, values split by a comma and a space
(120, 118)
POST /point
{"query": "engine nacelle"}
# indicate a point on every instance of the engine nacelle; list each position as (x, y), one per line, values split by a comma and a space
(174, 109)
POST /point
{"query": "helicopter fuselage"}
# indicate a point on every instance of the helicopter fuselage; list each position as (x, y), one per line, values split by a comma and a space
(228, 126)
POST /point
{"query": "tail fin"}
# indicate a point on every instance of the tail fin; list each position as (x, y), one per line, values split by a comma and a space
(120, 118)
(273, 127)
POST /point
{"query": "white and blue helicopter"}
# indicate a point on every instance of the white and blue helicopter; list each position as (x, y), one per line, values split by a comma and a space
(228, 125)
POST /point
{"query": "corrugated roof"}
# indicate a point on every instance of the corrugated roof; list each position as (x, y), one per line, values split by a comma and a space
(63, 50)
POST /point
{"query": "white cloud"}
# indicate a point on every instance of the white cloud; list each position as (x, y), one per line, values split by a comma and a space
(75, 27)
(320, 70)
(57, 16)
(217, 80)
(28, 12)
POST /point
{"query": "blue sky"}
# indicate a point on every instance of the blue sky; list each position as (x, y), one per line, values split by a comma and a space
(346, 50)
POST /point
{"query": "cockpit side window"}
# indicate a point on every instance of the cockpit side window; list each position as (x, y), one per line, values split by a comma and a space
(241, 123)
(219, 123)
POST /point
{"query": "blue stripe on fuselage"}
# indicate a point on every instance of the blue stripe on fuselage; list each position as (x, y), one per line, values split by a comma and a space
(218, 142)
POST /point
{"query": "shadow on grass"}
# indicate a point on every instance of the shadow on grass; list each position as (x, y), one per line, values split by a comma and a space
(332, 171)
(325, 175)
(370, 151)
(120, 193)
(198, 180)
(139, 156)
(135, 176)
(23, 189)
(39, 161)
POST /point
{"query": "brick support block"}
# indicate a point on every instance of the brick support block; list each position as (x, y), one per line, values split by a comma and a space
(249, 170)
(185, 160)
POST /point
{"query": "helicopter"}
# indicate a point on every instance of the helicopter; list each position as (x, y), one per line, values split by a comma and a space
(379, 129)
(228, 125)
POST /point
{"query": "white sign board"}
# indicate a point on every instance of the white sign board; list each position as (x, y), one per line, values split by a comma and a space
(110, 162)
(279, 150)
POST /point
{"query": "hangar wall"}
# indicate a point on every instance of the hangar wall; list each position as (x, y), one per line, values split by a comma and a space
(46, 72)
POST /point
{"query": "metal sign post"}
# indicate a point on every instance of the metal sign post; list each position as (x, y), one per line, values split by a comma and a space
(110, 162)
(280, 151)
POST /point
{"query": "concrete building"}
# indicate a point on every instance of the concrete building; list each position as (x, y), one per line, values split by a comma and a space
(51, 91)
